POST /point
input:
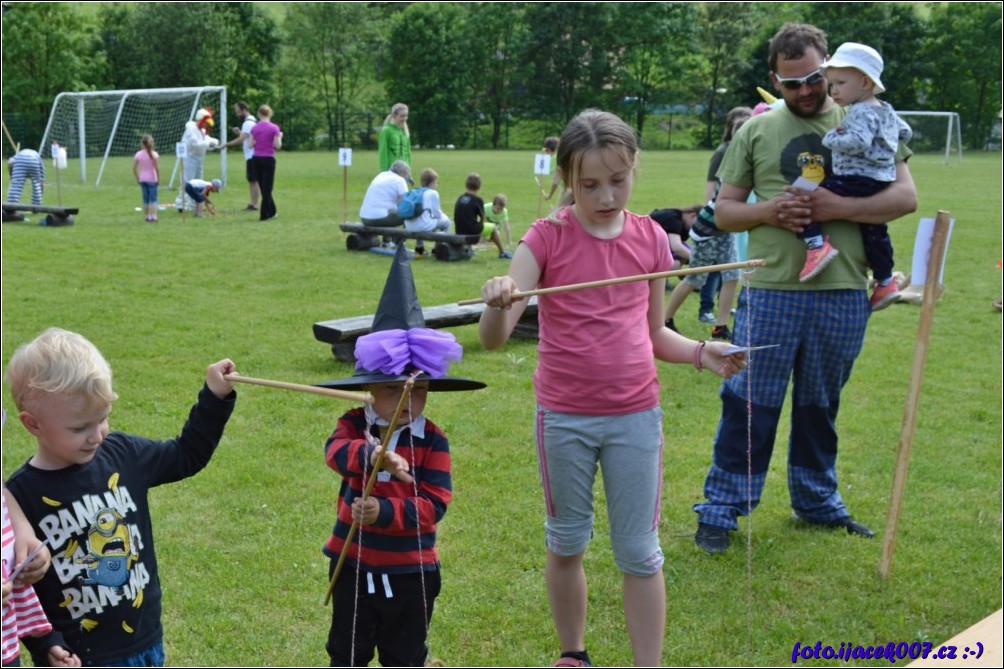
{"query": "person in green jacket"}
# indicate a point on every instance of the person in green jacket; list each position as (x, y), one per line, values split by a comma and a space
(394, 142)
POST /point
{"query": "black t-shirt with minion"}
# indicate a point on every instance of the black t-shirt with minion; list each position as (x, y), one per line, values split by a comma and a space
(102, 592)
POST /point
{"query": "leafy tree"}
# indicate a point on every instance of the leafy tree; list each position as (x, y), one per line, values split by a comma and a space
(567, 54)
(426, 68)
(168, 45)
(493, 42)
(964, 48)
(48, 48)
(725, 33)
(330, 45)
(654, 43)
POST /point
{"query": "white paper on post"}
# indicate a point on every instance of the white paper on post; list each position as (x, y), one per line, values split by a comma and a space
(922, 252)
(542, 164)
(180, 151)
(59, 157)
(345, 157)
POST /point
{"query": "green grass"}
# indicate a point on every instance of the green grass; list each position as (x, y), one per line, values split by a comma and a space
(239, 544)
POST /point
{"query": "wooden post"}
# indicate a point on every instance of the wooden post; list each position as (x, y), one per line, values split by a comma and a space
(932, 283)
(345, 194)
(540, 195)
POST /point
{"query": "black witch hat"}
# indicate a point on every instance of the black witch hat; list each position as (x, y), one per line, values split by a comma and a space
(399, 343)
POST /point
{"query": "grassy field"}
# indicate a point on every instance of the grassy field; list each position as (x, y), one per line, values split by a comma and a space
(239, 544)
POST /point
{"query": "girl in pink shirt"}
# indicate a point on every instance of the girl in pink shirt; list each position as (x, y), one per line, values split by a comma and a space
(146, 169)
(596, 387)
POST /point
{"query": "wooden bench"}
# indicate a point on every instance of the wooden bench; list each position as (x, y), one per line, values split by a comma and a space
(448, 247)
(342, 333)
(55, 215)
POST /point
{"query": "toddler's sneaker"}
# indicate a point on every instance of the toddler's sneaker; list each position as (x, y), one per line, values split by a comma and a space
(816, 260)
(505, 255)
(885, 295)
(721, 332)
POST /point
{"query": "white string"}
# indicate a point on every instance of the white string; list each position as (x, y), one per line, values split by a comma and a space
(418, 531)
(370, 440)
(749, 465)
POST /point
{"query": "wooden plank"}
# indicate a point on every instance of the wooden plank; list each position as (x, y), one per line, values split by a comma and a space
(986, 633)
(342, 333)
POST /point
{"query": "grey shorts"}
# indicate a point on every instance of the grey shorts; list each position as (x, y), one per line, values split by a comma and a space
(717, 250)
(628, 448)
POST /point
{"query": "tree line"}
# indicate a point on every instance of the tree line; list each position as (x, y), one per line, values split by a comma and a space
(472, 72)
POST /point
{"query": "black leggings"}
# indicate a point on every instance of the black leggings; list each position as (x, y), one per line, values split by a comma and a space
(265, 168)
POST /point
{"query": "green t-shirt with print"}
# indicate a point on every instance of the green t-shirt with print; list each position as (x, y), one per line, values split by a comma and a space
(768, 153)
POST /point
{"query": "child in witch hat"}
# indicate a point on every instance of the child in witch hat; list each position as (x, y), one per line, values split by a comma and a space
(384, 597)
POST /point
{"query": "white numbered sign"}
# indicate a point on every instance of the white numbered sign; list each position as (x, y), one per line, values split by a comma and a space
(179, 150)
(542, 164)
(345, 157)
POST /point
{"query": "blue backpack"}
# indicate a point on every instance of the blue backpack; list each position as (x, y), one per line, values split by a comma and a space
(410, 205)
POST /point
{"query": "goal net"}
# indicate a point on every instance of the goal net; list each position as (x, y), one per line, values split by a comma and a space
(98, 125)
(934, 131)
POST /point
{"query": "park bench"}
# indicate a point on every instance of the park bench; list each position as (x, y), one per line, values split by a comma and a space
(342, 333)
(448, 247)
(12, 211)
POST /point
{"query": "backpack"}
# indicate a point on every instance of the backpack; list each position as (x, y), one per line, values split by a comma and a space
(410, 205)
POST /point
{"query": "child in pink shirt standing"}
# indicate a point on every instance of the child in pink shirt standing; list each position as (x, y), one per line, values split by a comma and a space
(597, 390)
(146, 169)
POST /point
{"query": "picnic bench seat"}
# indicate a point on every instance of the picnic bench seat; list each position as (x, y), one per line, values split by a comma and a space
(342, 333)
(448, 247)
(12, 211)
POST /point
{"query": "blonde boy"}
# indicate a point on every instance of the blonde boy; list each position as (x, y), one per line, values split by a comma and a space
(85, 492)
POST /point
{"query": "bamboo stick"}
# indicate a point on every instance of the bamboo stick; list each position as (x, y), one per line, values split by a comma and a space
(749, 264)
(329, 392)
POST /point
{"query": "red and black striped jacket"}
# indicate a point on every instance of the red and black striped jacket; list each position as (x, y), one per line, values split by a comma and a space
(403, 539)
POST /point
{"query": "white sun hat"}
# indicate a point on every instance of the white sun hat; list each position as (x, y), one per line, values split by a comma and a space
(861, 57)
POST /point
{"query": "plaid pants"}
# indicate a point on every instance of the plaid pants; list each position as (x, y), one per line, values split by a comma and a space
(819, 335)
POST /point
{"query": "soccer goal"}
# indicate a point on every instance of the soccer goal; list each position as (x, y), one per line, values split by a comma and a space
(93, 124)
(934, 131)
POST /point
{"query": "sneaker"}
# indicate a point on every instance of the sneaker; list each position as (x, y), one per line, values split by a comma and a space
(250, 207)
(571, 662)
(505, 255)
(420, 250)
(816, 260)
(707, 317)
(711, 539)
(885, 295)
(671, 325)
(721, 332)
(853, 526)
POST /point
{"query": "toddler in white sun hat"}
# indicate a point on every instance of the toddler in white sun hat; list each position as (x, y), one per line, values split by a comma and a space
(865, 146)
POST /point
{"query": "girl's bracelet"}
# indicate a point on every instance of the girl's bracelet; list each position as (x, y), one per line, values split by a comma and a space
(698, 350)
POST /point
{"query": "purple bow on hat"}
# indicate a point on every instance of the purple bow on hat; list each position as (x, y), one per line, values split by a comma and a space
(394, 351)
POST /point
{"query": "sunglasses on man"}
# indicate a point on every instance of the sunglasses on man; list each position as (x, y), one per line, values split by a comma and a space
(795, 83)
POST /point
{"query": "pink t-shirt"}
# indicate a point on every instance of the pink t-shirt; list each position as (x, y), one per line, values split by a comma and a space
(22, 615)
(147, 166)
(264, 133)
(595, 351)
